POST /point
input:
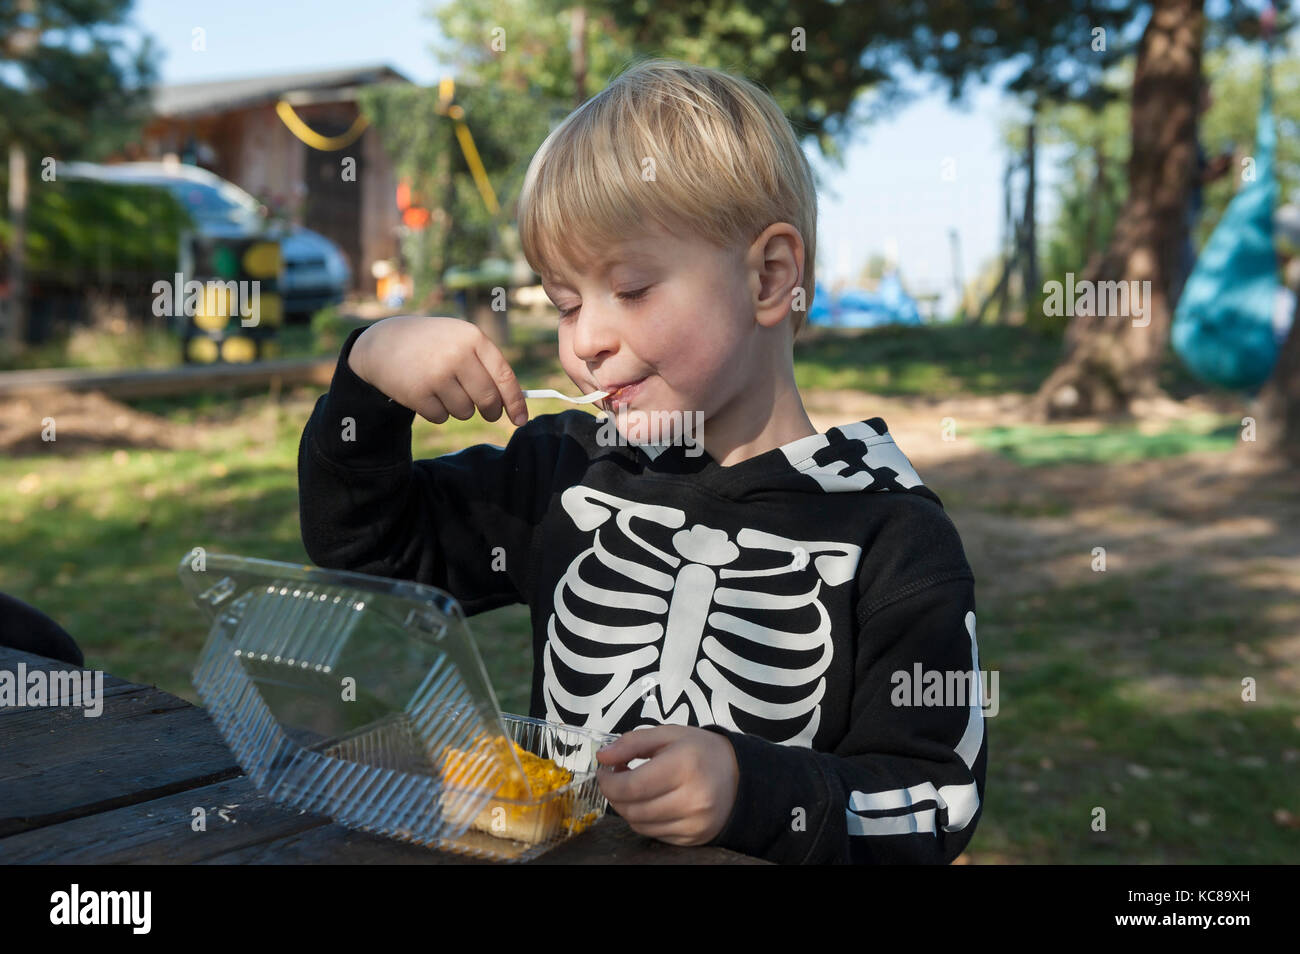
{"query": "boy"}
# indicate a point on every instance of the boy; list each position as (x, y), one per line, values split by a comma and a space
(749, 609)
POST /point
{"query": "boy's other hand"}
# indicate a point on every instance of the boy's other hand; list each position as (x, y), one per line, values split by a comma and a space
(684, 794)
(439, 368)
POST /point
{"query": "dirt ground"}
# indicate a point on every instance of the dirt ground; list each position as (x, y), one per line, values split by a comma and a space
(81, 422)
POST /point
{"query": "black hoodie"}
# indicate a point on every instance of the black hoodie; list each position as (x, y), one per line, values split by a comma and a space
(798, 602)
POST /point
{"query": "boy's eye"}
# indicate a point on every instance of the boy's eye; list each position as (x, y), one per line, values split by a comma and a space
(624, 296)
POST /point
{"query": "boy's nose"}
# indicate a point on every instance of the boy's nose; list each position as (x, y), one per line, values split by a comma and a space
(594, 335)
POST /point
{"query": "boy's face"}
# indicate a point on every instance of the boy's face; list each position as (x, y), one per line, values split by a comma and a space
(673, 313)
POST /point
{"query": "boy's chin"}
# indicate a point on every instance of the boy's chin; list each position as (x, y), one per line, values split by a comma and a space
(653, 426)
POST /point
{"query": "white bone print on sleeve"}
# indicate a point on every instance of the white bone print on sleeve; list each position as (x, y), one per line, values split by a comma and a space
(960, 801)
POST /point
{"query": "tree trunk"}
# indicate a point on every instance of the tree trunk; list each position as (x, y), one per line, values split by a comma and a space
(1279, 425)
(1010, 254)
(1111, 359)
(15, 331)
(1092, 235)
(1029, 253)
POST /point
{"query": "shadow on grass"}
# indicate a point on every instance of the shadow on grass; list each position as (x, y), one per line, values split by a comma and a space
(1123, 693)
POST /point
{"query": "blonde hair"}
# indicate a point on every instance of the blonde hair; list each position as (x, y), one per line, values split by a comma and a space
(725, 163)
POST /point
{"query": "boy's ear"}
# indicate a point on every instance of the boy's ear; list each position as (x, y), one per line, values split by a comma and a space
(775, 266)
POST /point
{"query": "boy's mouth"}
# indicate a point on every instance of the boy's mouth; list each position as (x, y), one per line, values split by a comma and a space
(622, 394)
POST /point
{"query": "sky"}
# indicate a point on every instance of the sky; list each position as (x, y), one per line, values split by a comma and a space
(905, 184)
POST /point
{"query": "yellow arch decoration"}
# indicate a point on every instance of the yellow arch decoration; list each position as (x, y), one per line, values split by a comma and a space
(475, 163)
(446, 90)
(314, 139)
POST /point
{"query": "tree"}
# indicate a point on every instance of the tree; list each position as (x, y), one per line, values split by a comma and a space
(1094, 146)
(526, 63)
(1063, 50)
(1279, 400)
(68, 90)
(1113, 360)
(817, 57)
(421, 139)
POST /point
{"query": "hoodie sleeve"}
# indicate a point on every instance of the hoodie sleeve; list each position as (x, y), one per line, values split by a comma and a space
(906, 783)
(462, 522)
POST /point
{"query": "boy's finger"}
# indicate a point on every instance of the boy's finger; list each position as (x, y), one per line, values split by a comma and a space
(456, 401)
(432, 410)
(665, 808)
(478, 384)
(512, 396)
(649, 781)
(637, 744)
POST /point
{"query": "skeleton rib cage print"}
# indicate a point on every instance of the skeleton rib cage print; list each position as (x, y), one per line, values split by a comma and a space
(697, 628)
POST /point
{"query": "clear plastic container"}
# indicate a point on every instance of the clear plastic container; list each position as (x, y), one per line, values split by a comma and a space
(365, 699)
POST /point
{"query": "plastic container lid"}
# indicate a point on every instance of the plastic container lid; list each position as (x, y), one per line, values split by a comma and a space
(348, 695)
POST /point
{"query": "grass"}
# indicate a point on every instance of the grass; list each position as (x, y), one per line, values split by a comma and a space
(101, 533)
(134, 347)
(933, 361)
(942, 361)
(1043, 445)
(1122, 693)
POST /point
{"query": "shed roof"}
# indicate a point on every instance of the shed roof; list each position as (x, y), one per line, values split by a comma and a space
(204, 98)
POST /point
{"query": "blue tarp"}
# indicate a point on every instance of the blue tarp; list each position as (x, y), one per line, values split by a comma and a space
(889, 304)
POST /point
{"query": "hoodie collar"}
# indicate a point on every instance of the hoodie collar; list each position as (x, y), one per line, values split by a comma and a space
(848, 458)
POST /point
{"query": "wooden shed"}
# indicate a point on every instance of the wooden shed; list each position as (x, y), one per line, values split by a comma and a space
(239, 130)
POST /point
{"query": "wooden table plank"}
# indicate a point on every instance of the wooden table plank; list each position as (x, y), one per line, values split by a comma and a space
(121, 788)
(336, 845)
(56, 764)
(259, 831)
(11, 658)
(159, 831)
(609, 841)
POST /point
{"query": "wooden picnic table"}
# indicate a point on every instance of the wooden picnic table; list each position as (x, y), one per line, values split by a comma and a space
(121, 788)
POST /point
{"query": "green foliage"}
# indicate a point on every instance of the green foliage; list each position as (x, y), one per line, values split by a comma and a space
(1236, 85)
(128, 346)
(82, 232)
(1092, 148)
(1093, 182)
(523, 47)
(419, 142)
(78, 92)
(506, 127)
(329, 328)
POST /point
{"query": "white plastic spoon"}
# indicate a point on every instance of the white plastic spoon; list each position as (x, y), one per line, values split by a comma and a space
(549, 393)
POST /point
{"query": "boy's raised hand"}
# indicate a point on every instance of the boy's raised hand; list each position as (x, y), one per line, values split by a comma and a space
(439, 368)
(684, 794)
